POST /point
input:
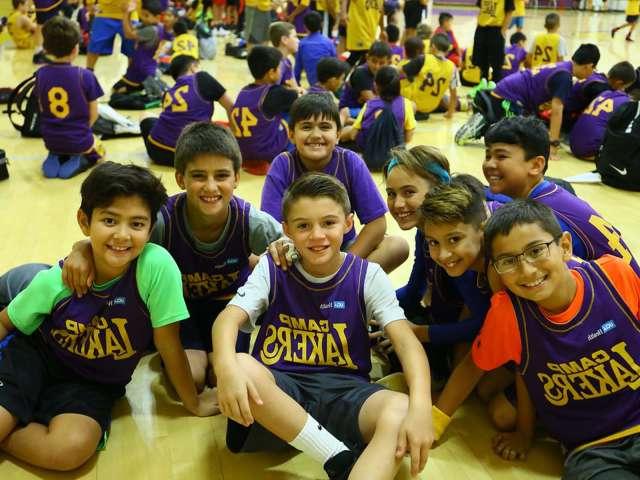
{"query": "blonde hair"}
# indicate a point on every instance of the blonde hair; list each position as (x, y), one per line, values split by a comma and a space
(425, 161)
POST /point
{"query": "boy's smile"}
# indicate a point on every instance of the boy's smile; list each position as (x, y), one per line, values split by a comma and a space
(315, 139)
(118, 233)
(456, 248)
(508, 171)
(317, 226)
(405, 194)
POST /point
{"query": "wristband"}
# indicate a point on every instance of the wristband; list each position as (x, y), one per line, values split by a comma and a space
(440, 421)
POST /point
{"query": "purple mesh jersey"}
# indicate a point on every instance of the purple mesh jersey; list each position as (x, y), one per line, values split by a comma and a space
(64, 92)
(311, 328)
(530, 88)
(582, 375)
(317, 88)
(208, 277)
(397, 53)
(350, 98)
(143, 64)
(286, 71)
(372, 110)
(182, 105)
(576, 99)
(298, 22)
(514, 55)
(101, 336)
(598, 236)
(588, 131)
(260, 138)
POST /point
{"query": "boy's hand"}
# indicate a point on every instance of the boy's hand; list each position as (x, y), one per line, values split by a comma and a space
(234, 391)
(78, 270)
(416, 437)
(283, 252)
(511, 445)
(130, 6)
(207, 403)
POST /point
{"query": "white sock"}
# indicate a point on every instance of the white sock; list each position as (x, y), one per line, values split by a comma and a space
(317, 442)
(38, 50)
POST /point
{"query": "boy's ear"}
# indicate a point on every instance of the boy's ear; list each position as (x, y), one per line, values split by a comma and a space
(348, 223)
(180, 179)
(537, 165)
(83, 222)
(566, 246)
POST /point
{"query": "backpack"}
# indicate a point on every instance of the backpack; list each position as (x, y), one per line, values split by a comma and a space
(23, 103)
(149, 97)
(382, 137)
(618, 160)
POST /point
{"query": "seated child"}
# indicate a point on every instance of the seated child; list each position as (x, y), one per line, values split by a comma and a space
(359, 87)
(20, 27)
(191, 99)
(445, 26)
(148, 37)
(589, 129)
(67, 97)
(547, 47)
(74, 356)
(315, 129)
(184, 43)
(313, 49)
(210, 239)
(413, 48)
(258, 114)
(393, 37)
(283, 37)
(307, 383)
(330, 73)
(579, 356)
(514, 55)
(432, 75)
(401, 120)
(297, 10)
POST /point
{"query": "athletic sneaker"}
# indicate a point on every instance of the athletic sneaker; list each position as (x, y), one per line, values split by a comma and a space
(51, 165)
(339, 466)
(471, 130)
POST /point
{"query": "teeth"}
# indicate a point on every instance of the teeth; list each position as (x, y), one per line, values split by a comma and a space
(534, 284)
(210, 199)
(451, 264)
(404, 214)
(119, 249)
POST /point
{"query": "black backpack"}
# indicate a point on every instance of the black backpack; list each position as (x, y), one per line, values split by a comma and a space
(24, 103)
(618, 160)
(382, 137)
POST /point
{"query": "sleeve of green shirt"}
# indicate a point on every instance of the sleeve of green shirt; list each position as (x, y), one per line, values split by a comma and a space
(31, 306)
(160, 286)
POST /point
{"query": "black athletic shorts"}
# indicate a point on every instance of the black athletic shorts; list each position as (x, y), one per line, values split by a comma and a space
(412, 13)
(159, 155)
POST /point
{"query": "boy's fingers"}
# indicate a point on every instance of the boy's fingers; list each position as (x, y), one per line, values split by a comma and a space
(401, 448)
(253, 393)
(415, 458)
(424, 456)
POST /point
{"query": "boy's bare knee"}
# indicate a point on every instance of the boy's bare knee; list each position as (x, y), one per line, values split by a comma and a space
(73, 451)
(393, 413)
(502, 414)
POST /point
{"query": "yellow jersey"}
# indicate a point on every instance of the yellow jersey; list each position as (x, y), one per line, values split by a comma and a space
(20, 36)
(633, 7)
(469, 72)
(185, 44)
(519, 8)
(362, 27)
(331, 5)
(110, 8)
(545, 49)
(432, 82)
(406, 86)
(491, 13)
(263, 5)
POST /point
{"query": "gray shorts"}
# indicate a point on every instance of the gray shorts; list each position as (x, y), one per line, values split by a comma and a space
(17, 279)
(333, 399)
(619, 460)
(259, 31)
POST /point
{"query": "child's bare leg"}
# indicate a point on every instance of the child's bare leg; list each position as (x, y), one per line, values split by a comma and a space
(68, 442)
(390, 253)
(198, 362)
(7, 423)
(491, 390)
(380, 419)
(502, 412)
(92, 59)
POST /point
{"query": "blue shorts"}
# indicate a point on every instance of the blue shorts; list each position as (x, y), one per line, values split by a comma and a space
(103, 33)
(517, 22)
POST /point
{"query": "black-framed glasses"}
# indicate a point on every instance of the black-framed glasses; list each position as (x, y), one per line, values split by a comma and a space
(531, 254)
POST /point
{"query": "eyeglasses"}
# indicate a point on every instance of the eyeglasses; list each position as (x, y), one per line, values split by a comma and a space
(532, 254)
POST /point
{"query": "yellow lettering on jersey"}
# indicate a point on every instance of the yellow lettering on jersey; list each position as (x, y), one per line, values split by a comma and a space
(198, 285)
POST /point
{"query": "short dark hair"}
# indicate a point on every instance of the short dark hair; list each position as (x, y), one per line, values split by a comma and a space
(277, 30)
(461, 201)
(552, 20)
(388, 83)
(206, 138)
(529, 133)
(110, 180)
(443, 17)
(519, 212)
(60, 35)
(331, 67)
(180, 27)
(441, 42)
(261, 59)
(315, 185)
(393, 33)
(312, 21)
(153, 6)
(623, 71)
(180, 65)
(379, 49)
(413, 46)
(17, 3)
(585, 54)
(313, 105)
(517, 38)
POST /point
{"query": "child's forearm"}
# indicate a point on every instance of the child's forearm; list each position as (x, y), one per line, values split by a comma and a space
(6, 327)
(369, 237)
(555, 122)
(415, 366)
(93, 112)
(460, 385)
(224, 335)
(526, 413)
(127, 27)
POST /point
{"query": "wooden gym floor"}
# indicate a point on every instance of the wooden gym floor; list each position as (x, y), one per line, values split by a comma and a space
(152, 436)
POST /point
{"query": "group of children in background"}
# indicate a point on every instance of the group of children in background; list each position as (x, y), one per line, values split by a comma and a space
(528, 272)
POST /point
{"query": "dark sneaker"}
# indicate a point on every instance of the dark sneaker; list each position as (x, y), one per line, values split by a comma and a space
(613, 32)
(421, 116)
(339, 466)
